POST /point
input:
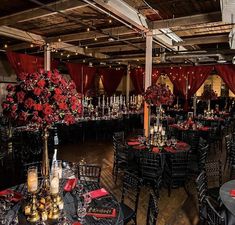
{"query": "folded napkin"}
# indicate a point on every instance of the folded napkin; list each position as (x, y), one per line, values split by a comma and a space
(133, 143)
(139, 147)
(232, 193)
(169, 149)
(98, 193)
(77, 223)
(70, 184)
(204, 128)
(112, 213)
(133, 139)
(15, 198)
(181, 145)
(155, 150)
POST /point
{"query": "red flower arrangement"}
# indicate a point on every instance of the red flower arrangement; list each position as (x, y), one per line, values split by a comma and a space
(42, 98)
(209, 94)
(158, 94)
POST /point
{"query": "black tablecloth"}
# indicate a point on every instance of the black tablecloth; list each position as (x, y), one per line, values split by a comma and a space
(70, 206)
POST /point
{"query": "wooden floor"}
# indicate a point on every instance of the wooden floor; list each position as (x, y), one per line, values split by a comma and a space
(179, 209)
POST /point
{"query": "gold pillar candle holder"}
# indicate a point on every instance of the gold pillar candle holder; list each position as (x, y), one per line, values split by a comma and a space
(54, 211)
(33, 214)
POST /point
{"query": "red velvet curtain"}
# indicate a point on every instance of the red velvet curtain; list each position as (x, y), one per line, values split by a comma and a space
(137, 77)
(111, 78)
(27, 63)
(227, 73)
(196, 77)
(82, 75)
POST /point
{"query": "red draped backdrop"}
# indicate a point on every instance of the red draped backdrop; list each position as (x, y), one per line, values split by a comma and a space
(82, 75)
(27, 63)
(227, 73)
(137, 77)
(111, 78)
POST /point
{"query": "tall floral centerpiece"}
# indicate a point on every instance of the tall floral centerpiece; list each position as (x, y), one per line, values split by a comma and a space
(208, 95)
(42, 99)
(158, 95)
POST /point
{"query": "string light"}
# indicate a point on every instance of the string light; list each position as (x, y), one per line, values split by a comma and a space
(76, 53)
(88, 29)
(61, 53)
(5, 46)
(59, 39)
(110, 21)
(31, 45)
(95, 38)
(68, 55)
(86, 47)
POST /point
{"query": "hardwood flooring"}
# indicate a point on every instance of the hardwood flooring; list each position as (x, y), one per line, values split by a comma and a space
(179, 209)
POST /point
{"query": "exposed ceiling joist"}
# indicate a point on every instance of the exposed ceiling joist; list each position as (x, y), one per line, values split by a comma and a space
(187, 20)
(125, 12)
(116, 31)
(63, 5)
(40, 40)
(203, 40)
(120, 48)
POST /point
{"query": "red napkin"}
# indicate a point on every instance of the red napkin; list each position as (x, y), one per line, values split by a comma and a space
(99, 215)
(16, 196)
(232, 193)
(204, 128)
(139, 147)
(70, 184)
(133, 143)
(181, 145)
(170, 149)
(155, 149)
(98, 193)
(77, 223)
(133, 139)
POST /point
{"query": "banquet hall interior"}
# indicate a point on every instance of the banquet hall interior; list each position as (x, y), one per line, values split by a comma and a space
(117, 112)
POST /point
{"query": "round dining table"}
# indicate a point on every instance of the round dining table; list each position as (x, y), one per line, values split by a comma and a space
(227, 199)
(71, 201)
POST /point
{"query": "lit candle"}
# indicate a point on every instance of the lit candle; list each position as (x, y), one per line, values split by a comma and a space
(55, 184)
(151, 130)
(32, 180)
(155, 128)
(163, 132)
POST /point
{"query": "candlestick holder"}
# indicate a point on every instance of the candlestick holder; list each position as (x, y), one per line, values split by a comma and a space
(33, 214)
(54, 211)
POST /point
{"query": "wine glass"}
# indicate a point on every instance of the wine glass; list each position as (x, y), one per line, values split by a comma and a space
(87, 199)
(81, 213)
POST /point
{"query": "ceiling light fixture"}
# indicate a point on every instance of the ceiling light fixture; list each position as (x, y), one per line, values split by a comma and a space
(168, 32)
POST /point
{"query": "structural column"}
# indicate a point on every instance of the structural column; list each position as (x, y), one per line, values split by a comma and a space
(128, 83)
(148, 79)
(47, 57)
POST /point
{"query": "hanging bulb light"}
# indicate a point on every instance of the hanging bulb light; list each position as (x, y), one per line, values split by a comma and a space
(5, 46)
(86, 47)
(31, 45)
(59, 39)
(61, 53)
(110, 21)
(88, 29)
(95, 39)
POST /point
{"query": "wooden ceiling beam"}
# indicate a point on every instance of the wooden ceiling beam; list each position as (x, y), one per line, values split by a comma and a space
(40, 40)
(39, 12)
(203, 40)
(81, 36)
(187, 20)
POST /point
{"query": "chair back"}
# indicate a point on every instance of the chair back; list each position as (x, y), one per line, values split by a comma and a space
(153, 210)
(213, 216)
(202, 156)
(89, 172)
(119, 136)
(201, 186)
(131, 190)
(214, 173)
(151, 167)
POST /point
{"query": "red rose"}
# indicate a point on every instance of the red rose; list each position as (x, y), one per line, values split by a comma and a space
(41, 70)
(63, 82)
(23, 116)
(10, 87)
(37, 107)
(41, 83)
(69, 119)
(20, 96)
(47, 110)
(48, 120)
(10, 99)
(74, 107)
(58, 91)
(13, 115)
(5, 105)
(63, 106)
(29, 103)
(72, 85)
(49, 74)
(55, 80)
(14, 108)
(37, 91)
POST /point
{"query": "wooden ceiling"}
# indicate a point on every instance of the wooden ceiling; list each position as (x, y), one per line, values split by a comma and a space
(89, 30)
